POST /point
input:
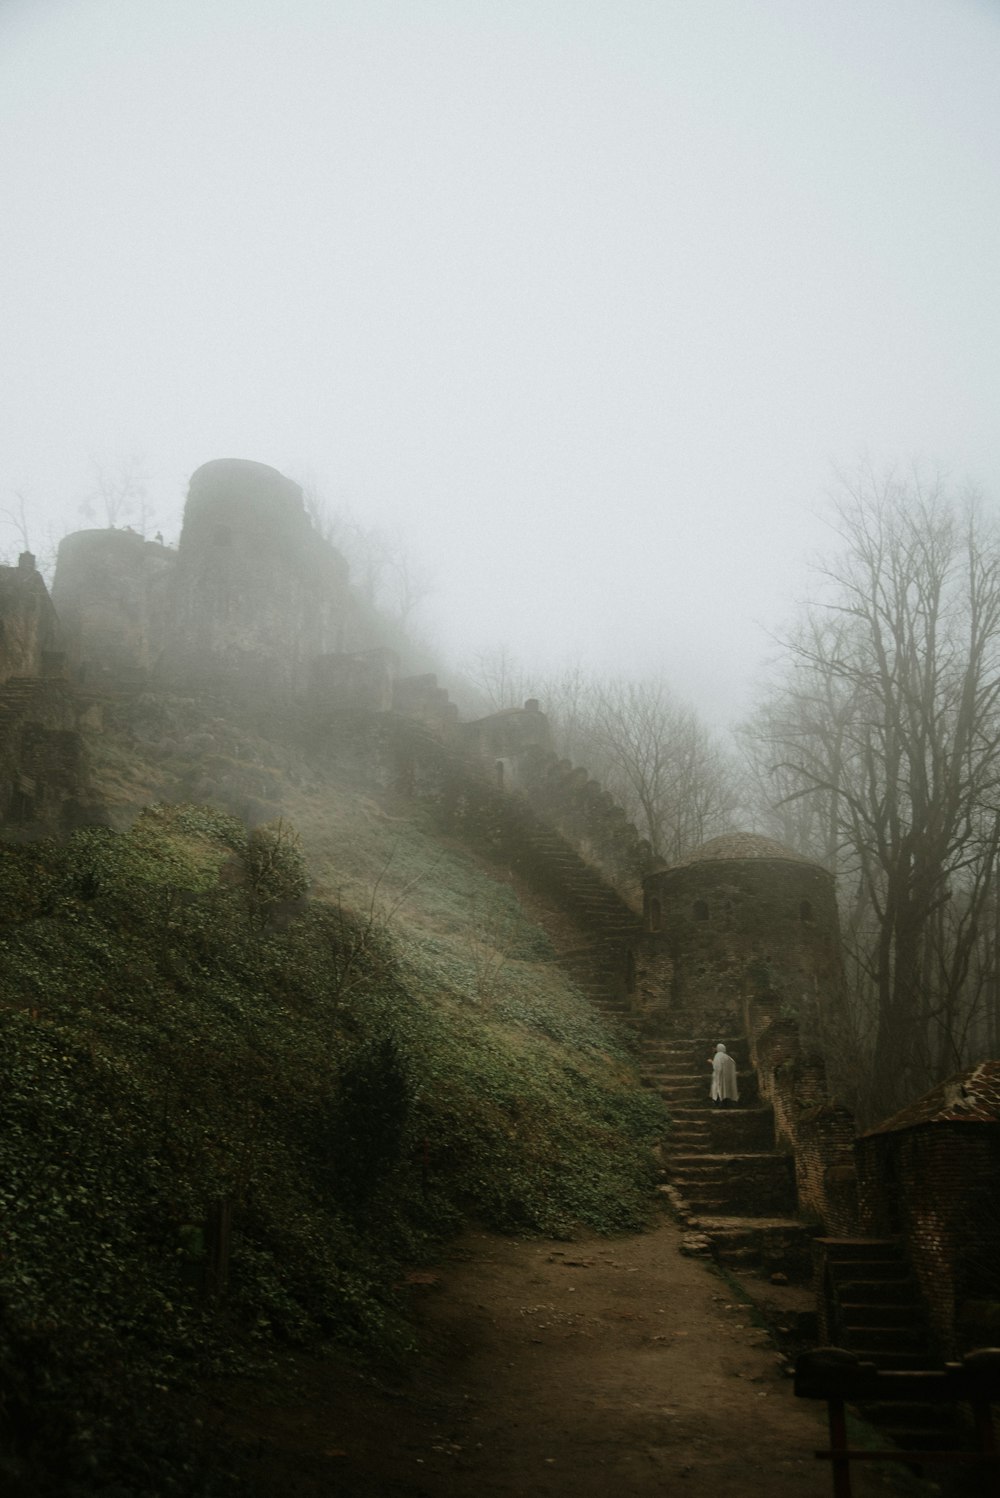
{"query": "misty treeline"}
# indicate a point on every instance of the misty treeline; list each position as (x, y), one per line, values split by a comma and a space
(876, 750)
(384, 571)
(650, 750)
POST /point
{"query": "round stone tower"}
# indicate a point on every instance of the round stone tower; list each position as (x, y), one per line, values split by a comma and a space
(744, 915)
(257, 592)
(110, 593)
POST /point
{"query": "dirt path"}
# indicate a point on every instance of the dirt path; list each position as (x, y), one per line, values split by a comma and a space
(598, 1368)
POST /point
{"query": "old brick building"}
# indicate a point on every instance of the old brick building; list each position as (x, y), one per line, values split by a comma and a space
(931, 1175)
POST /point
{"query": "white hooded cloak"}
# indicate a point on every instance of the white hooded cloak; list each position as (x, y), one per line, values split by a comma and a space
(724, 1086)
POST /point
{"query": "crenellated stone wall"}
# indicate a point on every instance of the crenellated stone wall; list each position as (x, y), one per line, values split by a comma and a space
(567, 798)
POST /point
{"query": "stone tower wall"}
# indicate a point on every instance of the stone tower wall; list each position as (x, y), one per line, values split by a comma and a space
(257, 594)
(731, 925)
(111, 592)
(27, 621)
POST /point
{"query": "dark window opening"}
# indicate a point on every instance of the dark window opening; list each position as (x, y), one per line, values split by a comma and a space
(500, 774)
(700, 910)
(630, 972)
(655, 915)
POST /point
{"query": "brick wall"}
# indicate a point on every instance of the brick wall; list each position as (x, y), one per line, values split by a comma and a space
(936, 1186)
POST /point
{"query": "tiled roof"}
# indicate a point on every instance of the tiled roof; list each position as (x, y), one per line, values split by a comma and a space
(740, 845)
(970, 1097)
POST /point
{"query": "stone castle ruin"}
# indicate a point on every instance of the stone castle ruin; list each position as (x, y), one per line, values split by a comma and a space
(249, 598)
(738, 941)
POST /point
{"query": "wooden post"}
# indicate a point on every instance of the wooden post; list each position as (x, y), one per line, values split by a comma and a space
(841, 1464)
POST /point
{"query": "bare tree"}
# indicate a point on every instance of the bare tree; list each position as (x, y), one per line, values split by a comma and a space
(383, 569)
(500, 679)
(43, 548)
(119, 494)
(658, 760)
(886, 730)
(17, 517)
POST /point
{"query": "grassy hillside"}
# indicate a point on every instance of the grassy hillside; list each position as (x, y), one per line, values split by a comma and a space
(355, 1053)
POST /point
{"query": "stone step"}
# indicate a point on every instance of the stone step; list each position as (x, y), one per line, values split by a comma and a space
(859, 1248)
(877, 1313)
(849, 1270)
(748, 1185)
(770, 1243)
(886, 1338)
(689, 1176)
(733, 1131)
(694, 1093)
(894, 1360)
(878, 1292)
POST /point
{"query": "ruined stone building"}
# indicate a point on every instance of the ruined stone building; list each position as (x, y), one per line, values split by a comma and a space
(254, 606)
(742, 913)
(28, 623)
(249, 598)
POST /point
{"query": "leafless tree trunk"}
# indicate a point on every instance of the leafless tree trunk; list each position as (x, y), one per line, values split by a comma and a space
(650, 752)
(120, 493)
(887, 727)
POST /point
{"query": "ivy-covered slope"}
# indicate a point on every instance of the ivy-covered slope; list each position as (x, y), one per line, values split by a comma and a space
(351, 1074)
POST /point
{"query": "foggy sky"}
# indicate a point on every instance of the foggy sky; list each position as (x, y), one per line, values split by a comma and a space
(585, 296)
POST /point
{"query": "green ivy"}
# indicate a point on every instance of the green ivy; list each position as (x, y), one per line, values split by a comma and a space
(166, 1045)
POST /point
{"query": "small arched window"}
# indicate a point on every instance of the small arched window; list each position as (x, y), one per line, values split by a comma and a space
(655, 915)
(805, 911)
(700, 910)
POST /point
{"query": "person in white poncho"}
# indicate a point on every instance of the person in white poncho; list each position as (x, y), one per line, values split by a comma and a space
(724, 1088)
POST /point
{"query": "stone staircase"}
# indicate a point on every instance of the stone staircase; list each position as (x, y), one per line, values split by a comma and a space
(729, 1184)
(874, 1305)
(873, 1308)
(506, 824)
(506, 827)
(733, 1190)
(598, 971)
